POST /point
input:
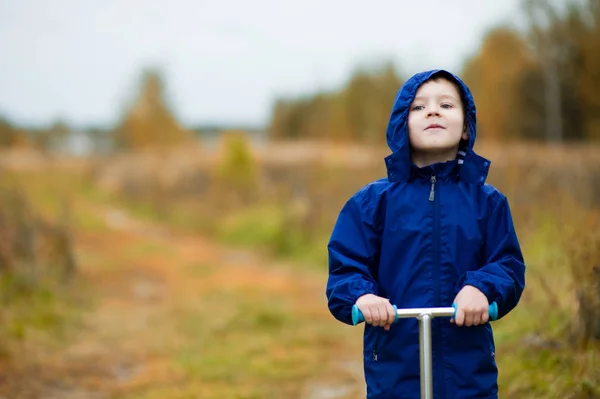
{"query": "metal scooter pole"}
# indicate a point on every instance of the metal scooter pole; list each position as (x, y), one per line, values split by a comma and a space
(425, 354)
(424, 316)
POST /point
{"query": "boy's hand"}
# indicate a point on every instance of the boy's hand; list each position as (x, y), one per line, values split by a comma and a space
(377, 311)
(472, 307)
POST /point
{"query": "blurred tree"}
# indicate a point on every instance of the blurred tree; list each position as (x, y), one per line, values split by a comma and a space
(588, 82)
(149, 122)
(566, 44)
(493, 75)
(51, 138)
(58, 134)
(358, 112)
(278, 127)
(547, 38)
(387, 84)
(368, 99)
(541, 85)
(356, 99)
(238, 171)
(9, 135)
(318, 115)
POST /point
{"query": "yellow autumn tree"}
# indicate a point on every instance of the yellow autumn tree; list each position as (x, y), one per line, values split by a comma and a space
(149, 121)
(494, 75)
(9, 135)
(588, 82)
(541, 84)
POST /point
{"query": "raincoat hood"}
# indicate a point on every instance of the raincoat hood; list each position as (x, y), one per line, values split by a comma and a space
(474, 168)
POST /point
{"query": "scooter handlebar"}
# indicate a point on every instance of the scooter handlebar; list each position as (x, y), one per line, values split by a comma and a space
(358, 317)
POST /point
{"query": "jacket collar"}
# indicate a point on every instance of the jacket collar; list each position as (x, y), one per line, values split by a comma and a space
(471, 168)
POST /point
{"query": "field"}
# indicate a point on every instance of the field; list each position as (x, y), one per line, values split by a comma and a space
(201, 274)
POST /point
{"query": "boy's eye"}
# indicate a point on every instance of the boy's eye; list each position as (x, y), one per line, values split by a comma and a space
(417, 108)
(446, 106)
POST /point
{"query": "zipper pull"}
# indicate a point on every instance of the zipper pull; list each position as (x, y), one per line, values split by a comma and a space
(432, 192)
(374, 356)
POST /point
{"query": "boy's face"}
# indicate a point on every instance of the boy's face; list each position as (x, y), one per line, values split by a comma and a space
(436, 120)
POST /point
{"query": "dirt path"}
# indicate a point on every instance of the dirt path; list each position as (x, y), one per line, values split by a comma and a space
(145, 284)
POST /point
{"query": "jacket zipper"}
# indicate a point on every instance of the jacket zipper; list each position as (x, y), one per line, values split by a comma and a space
(437, 350)
(375, 354)
(432, 192)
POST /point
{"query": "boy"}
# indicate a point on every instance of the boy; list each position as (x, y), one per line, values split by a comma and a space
(431, 234)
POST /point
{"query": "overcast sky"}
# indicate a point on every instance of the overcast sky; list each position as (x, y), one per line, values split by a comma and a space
(224, 61)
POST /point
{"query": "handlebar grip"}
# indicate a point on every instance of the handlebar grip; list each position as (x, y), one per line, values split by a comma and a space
(492, 311)
(358, 317)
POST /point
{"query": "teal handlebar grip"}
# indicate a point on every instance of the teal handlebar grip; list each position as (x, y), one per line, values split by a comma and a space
(357, 316)
(492, 311)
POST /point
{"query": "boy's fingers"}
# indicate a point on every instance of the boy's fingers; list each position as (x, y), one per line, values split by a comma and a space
(375, 317)
(485, 317)
(460, 317)
(382, 316)
(468, 319)
(367, 315)
(385, 317)
(391, 314)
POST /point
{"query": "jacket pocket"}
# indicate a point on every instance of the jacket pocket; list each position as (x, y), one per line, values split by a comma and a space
(491, 344)
(374, 354)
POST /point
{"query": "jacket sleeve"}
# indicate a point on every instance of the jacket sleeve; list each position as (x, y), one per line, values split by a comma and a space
(353, 251)
(502, 277)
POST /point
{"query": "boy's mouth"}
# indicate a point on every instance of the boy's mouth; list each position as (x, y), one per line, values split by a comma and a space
(435, 126)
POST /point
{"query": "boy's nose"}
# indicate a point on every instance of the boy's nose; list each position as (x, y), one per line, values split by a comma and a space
(433, 111)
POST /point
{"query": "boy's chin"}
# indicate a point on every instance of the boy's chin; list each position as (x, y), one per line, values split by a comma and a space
(437, 148)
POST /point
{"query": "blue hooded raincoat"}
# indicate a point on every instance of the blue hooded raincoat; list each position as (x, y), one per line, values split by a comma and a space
(417, 237)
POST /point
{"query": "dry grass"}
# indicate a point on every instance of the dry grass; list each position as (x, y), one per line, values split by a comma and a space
(229, 323)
